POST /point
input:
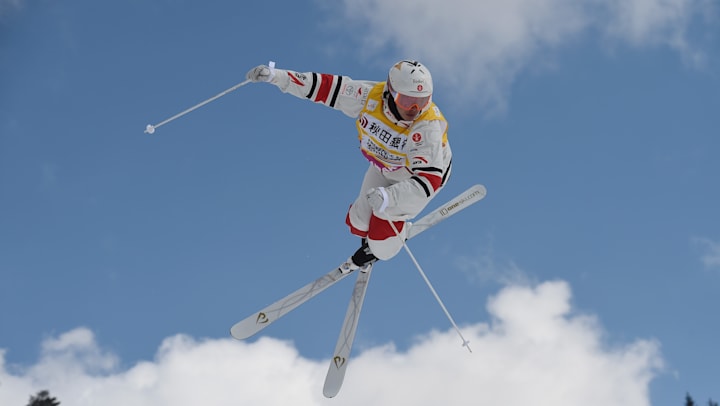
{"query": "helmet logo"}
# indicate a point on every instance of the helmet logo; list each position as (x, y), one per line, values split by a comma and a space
(410, 78)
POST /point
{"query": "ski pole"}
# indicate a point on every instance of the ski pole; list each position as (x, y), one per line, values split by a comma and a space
(150, 129)
(465, 343)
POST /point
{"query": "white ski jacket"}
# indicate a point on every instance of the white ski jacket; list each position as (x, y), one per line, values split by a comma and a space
(414, 156)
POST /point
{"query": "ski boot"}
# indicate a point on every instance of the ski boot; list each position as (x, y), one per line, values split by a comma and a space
(361, 259)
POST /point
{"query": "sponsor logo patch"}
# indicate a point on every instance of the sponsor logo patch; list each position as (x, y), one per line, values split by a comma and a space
(349, 90)
(298, 78)
(418, 160)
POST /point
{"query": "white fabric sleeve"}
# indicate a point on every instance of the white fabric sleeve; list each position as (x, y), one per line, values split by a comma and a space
(335, 91)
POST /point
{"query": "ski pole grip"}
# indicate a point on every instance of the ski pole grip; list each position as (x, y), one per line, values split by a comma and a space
(271, 65)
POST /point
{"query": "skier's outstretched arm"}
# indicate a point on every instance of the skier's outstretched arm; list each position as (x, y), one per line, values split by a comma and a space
(336, 91)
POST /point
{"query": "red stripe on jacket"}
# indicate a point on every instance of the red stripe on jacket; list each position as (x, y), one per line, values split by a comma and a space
(326, 82)
(434, 180)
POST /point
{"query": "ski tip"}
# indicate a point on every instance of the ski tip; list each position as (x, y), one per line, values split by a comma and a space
(236, 336)
(481, 189)
(335, 376)
(238, 332)
(330, 392)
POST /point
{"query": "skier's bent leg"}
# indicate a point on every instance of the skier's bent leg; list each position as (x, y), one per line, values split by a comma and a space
(383, 242)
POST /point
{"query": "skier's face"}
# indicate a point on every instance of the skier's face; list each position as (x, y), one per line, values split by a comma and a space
(408, 106)
(408, 114)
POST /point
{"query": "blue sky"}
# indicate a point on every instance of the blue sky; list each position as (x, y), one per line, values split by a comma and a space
(589, 274)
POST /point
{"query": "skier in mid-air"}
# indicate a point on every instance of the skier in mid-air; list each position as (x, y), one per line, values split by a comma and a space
(402, 133)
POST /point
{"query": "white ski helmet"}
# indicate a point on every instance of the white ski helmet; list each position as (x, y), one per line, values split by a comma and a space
(410, 84)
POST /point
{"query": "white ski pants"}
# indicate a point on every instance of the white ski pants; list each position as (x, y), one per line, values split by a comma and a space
(382, 239)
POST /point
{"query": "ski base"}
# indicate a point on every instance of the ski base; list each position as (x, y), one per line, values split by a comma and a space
(338, 365)
(254, 323)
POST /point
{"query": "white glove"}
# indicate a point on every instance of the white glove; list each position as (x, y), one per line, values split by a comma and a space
(378, 199)
(261, 73)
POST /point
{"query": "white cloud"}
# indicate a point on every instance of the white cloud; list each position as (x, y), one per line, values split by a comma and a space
(485, 267)
(479, 47)
(534, 351)
(6, 5)
(644, 22)
(711, 255)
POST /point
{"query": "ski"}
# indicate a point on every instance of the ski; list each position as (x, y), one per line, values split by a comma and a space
(253, 324)
(341, 356)
(256, 322)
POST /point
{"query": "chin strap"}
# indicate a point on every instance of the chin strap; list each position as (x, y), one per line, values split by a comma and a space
(391, 106)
